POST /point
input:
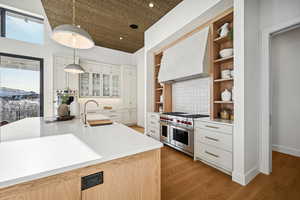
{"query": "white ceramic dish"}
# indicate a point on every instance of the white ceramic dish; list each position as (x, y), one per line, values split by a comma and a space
(226, 52)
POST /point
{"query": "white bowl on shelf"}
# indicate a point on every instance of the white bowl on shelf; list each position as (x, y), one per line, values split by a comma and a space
(224, 53)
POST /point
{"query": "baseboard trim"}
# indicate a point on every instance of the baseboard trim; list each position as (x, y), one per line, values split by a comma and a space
(244, 179)
(286, 150)
(238, 178)
(251, 174)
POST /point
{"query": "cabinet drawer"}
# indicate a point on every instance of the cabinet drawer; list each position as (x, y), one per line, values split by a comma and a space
(154, 123)
(216, 139)
(153, 129)
(153, 116)
(215, 127)
(215, 156)
(153, 132)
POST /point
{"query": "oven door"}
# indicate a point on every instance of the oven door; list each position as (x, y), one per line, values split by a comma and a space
(164, 132)
(182, 138)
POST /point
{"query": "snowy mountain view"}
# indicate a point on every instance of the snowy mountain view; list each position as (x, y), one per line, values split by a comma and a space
(18, 104)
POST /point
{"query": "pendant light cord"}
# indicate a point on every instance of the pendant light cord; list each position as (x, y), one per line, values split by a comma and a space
(74, 56)
(74, 8)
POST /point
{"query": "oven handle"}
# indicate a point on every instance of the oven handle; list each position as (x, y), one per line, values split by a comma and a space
(180, 128)
(164, 123)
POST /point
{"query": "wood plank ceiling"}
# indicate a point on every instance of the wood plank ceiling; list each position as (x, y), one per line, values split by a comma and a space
(108, 20)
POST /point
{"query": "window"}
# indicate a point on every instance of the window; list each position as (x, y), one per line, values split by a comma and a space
(21, 27)
(20, 97)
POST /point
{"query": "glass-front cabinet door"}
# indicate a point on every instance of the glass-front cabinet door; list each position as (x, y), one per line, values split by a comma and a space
(115, 90)
(84, 85)
(106, 85)
(100, 80)
(96, 84)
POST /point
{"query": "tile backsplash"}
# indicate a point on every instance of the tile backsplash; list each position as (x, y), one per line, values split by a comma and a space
(192, 96)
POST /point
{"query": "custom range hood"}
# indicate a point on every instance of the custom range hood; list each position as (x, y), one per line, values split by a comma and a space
(188, 59)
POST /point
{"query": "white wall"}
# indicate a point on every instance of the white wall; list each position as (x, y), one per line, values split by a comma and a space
(185, 17)
(185, 13)
(50, 48)
(251, 17)
(274, 12)
(191, 96)
(285, 96)
(182, 19)
(139, 58)
(32, 6)
(246, 107)
(251, 98)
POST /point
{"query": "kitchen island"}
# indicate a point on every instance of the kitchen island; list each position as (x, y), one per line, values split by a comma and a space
(68, 161)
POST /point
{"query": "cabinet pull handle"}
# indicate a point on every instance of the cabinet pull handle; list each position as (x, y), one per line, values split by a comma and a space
(212, 154)
(212, 127)
(152, 131)
(152, 122)
(213, 139)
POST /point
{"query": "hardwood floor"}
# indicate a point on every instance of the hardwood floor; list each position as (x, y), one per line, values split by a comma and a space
(137, 128)
(184, 179)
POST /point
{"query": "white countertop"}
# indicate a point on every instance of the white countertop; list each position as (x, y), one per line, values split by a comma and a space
(32, 149)
(217, 121)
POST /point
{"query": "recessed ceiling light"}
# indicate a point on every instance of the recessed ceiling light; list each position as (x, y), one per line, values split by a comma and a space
(151, 4)
(121, 38)
(134, 26)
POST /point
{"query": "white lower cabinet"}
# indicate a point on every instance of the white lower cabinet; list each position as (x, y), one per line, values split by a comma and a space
(114, 115)
(129, 116)
(213, 144)
(153, 125)
(124, 116)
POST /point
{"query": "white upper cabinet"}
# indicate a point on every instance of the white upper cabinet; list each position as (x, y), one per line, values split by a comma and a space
(100, 80)
(129, 87)
(63, 80)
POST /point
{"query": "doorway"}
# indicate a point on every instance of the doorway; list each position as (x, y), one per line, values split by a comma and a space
(266, 140)
(285, 92)
(21, 87)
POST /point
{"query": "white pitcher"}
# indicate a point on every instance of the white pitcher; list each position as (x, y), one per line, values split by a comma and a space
(224, 30)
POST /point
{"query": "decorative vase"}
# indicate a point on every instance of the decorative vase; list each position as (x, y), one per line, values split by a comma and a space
(63, 110)
(226, 95)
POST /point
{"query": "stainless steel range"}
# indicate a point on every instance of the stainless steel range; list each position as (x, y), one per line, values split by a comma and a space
(177, 130)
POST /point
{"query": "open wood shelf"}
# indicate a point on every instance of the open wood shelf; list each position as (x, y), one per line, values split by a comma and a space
(159, 90)
(223, 102)
(222, 80)
(222, 60)
(220, 40)
(218, 64)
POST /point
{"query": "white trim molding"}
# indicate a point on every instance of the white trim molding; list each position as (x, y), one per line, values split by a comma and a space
(286, 150)
(244, 179)
(265, 144)
(251, 174)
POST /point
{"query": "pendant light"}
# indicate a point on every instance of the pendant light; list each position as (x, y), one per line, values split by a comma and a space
(72, 36)
(74, 68)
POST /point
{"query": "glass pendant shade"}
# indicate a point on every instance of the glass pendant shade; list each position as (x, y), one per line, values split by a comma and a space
(74, 69)
(72, 36)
